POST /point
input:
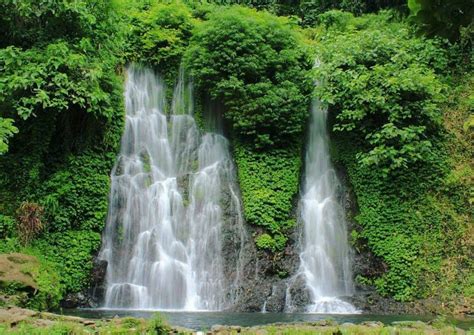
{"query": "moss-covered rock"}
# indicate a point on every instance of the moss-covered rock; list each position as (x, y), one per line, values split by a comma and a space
(28, 281)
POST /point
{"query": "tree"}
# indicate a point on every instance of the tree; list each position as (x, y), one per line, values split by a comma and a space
(444, 18)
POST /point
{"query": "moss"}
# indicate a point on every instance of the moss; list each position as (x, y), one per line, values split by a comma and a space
(29, 281)
(269, 182)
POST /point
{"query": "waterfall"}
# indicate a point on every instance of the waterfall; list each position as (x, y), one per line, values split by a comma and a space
(163, 236)
(325, 253)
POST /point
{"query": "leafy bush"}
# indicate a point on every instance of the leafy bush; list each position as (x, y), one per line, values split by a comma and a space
(158, 325)
(267, 242)
(7, 226)
(31, 281)
(28, 22)
(311, 10)
(52, 78)
(255, 64)
(416, 222)
(50, 290)
(71, 252)
(389, 96)
(62, 87)
(75, 197)
(160, 34)
(50, 59)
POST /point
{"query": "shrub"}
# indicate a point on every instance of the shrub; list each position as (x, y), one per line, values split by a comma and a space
(256, 65)
(158, 325)
(160, 34)
(389, 96)
(267, 242)
(72, 252)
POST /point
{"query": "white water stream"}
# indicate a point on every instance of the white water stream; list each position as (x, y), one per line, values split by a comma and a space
(325, 255)
(163, 237)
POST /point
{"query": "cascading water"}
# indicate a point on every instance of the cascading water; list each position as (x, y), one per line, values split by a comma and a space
(163, 238)
(325, 255)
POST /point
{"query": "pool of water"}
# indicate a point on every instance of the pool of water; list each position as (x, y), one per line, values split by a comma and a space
(205, 320)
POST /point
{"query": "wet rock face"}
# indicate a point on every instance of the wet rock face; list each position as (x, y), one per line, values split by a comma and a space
(76, 300)
(298, 294)
(266, 277)
(370, 302)
(98, 283)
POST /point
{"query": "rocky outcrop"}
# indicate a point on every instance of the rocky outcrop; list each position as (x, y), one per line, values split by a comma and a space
(18, 277)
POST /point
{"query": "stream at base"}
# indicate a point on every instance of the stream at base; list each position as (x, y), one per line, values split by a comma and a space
(205, 320)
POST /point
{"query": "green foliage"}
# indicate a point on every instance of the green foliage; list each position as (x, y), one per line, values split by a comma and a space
(311, 10)
(398, 223)
(7, 226)
(75, 197)
(71, 252)
(277, 7)
(40, 274)
(255, 64)
(158, 325)
(61, 90)
(384, 93)
(28, 22)
(159, 35)
(417, 222)
(60, 85)
(269, 183)
(7, 129)
(58, 57)
(257, 67)
(273, 244)
(444, 18)
(50, 290)
(55, 78)
(389, 96)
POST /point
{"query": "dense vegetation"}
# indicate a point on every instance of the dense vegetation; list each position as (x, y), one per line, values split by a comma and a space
(387, 114)
(399, 105)
(60, 86)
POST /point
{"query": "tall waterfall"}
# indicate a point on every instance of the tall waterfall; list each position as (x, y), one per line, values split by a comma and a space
(325, 255)
(163, 237)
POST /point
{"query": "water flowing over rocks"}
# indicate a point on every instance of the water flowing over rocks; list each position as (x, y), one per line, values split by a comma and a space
(173, 201)
(325, 255)
(199, 254)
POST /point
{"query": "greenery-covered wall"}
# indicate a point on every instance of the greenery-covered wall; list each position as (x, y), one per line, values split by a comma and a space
(61, 85)
(386, 89)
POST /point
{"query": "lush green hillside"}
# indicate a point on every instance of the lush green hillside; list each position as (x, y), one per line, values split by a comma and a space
(400, 104)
